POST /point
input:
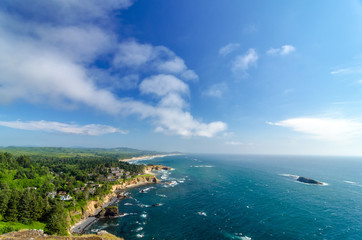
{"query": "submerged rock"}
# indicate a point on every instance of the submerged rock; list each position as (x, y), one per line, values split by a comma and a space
(308, 180)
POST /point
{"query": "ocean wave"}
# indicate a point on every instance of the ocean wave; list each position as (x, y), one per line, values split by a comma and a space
(288, 175)
(139, 229)
(161, 195)
(140, 235)
(128, 204)
(237, 236)
(170, 184)
(353, 183)
(202, 214)
(143, 215)
(145, 190)
(202, 166)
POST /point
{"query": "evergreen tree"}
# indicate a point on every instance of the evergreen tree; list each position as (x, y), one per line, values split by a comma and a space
(57, 220)
(12, 213)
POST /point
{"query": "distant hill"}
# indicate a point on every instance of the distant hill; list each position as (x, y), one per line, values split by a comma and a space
(60, 152)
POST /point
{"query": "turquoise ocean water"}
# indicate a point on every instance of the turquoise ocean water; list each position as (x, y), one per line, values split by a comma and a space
(244, 197)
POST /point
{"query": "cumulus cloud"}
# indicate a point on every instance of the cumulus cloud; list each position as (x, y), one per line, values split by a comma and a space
(282, 51)
(162, 85)
(244, 62)
(324, 128)
(216, 90)
(151, 59)
(45, 59)
(182, 123)
(90, 129)
(229, 48)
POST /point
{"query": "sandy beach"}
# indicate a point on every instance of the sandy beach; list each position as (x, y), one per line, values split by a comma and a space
(149, 157)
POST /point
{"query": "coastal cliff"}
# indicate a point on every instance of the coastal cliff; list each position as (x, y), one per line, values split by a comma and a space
(94, 207)
(157, 168)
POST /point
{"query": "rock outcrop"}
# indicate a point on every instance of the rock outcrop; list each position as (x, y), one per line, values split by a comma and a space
(308, 180)
(108, 212)
(141, 180)
(157, 168)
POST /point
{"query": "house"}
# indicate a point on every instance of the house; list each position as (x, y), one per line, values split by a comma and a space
(62, 193)
(66, 198)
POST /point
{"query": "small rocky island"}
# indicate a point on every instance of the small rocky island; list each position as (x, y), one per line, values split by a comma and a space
(308, 180)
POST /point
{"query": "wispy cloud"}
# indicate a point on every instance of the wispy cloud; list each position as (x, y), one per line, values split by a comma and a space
(347, 70)
(216, 90)
(89, 129)
(324, 128)
(243, 62)
(50, 59)
(229, 48)
(233, 143)
(282, 51)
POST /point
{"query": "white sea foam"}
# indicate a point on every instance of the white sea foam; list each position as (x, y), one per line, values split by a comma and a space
(202, 166)
(139, 229)
(140, 235)
(170, 184)
(245, 238)
(353, 183)
(289, 175)
(202, 213)
(144, 215)
(123, 215)
(161, 195)
(144, 205)
(145, 190)
(128, 204)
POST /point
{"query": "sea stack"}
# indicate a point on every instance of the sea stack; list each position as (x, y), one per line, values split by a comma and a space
(308, 180)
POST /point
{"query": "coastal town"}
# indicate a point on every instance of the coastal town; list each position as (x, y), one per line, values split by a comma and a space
(64, 195)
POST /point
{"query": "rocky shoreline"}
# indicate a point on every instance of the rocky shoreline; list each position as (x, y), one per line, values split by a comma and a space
(93, 208)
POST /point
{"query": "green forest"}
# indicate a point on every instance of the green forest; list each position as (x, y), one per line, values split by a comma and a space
(39, 187)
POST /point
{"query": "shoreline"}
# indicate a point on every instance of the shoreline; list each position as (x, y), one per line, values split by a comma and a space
(81, 226)
(149, 157)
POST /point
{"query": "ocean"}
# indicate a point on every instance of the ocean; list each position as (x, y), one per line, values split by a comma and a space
(244, 197)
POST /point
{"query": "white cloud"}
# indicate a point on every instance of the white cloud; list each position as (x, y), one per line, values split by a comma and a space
(244, 62)
(175, 65)
(163, 84)
(348, 70)
(151, 59)
(282, 51)
(324, 128)
(233, 143)
(229, 48)
(90, 129)
(132, 54)
(174, 121)
(53, 63)
(216, 90)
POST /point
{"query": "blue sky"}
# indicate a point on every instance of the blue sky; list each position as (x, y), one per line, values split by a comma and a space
(248, 77)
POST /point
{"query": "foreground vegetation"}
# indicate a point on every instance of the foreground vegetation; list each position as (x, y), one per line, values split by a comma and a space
(41, 188)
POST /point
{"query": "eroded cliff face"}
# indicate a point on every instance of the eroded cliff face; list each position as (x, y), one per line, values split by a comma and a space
(141, 180)
(157, 168)
(93, 207)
